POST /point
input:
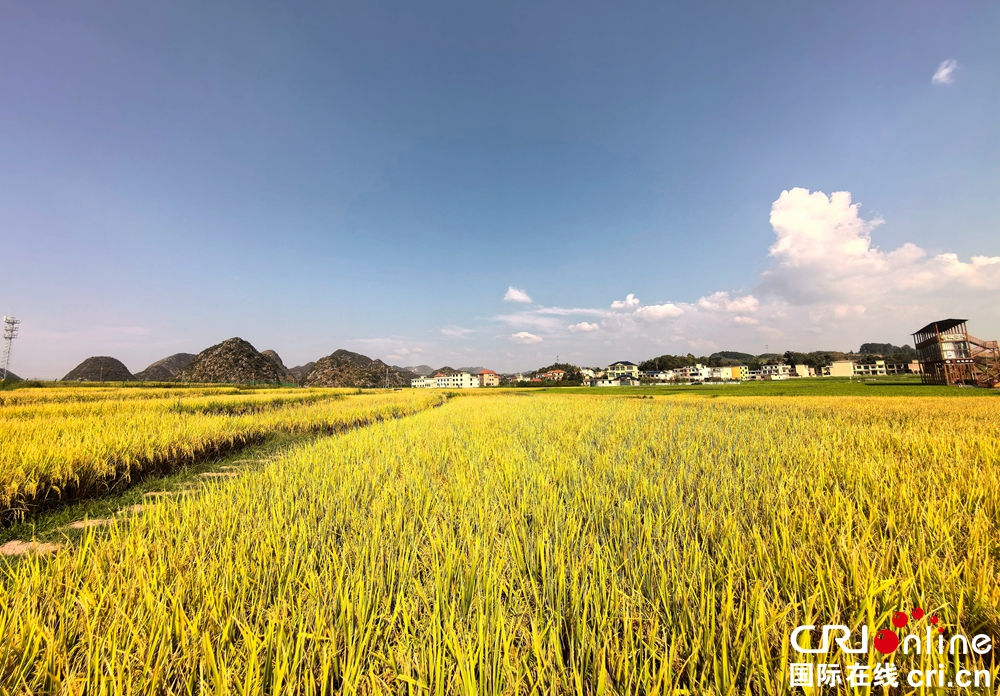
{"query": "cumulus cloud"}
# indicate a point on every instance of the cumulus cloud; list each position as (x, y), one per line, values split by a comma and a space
(828, 285)
(525, 338)
(516, 295)
(824, 254)
(630, 302)
(945, 74)
(658, 312)
(722, 302)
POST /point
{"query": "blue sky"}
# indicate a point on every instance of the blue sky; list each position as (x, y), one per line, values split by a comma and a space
(376, 176)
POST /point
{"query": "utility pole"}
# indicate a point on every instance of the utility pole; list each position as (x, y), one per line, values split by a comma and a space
(9, 334)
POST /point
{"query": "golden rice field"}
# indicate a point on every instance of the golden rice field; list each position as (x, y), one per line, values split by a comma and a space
(74, 441)
(515, 543)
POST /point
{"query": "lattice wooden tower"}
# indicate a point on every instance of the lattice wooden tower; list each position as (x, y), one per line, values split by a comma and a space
(949, 354)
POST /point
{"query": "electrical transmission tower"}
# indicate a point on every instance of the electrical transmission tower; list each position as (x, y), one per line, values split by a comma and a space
(9, 334)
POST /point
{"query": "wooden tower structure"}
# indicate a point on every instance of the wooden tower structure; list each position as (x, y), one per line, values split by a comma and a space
(949, 354)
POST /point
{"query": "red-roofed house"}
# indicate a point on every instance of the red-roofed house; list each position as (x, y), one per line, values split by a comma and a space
(488, 378)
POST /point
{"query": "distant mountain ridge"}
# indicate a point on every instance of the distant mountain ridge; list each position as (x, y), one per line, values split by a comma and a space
(100, 368)
(343, 368)
(287, 377)
(886, 349)
(732, 355)
(421, 370)
(236, 361)
(424, 370)
(165, 369)
(232, 361)
(300, 372)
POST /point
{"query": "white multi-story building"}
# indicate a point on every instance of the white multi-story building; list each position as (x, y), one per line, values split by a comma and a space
(462, 380)
(694, 373)
(803, 371)
(775, 372)
(866, 370)
(849, 368)
(458, 380)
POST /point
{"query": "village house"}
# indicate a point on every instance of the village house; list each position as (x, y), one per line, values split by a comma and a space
(622, 367)
(694, 373)
(488, 378)
(775, 372)
(458, 380)
(849, 368)
(727, 373)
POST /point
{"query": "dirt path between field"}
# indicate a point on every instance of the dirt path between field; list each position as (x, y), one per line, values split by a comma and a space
(59, 521)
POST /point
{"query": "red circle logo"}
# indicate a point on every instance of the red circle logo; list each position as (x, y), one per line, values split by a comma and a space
(886, 641)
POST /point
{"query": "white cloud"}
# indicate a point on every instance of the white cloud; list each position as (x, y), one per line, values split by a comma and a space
(828, 286)
(658, 312)
(945, 74)
(546, 319)
(721, 302)
(629, 302)
(525, 338)
(515, 295)
(532, 320)
(824, 255)
(456, 331)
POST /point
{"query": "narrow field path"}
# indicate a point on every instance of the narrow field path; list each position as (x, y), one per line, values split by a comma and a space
(47, 531)
(50, 529)
(57, 448)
